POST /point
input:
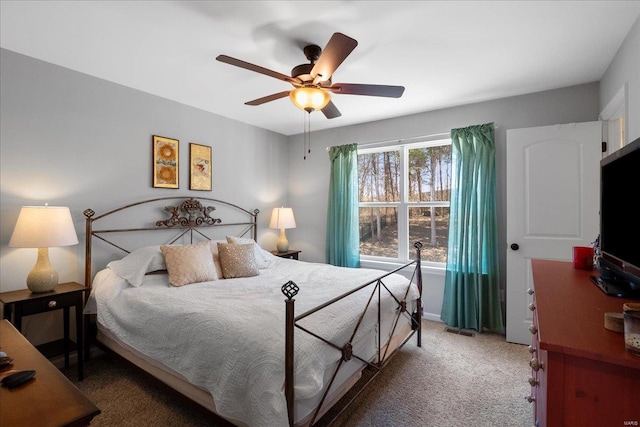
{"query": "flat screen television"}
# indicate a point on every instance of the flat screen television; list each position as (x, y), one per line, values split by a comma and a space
(619, 242)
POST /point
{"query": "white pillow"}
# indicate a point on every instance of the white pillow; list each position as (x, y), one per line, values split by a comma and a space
(135, 265)
(261, 259)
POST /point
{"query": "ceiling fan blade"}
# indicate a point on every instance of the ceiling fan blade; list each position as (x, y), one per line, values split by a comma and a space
(269, 98)
(338, 48)
(370, 90)
(258, 69)
(330, 111)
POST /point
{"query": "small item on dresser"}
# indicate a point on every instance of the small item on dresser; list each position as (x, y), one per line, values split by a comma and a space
(5, 361)
(17, 378)
(583, 257)
(632, 327)
(614, 322)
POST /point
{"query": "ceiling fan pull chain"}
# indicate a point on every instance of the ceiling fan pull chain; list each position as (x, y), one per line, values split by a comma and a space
(307, 133)
(304, 134)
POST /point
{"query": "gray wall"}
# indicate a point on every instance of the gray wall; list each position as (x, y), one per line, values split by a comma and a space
(308, 186)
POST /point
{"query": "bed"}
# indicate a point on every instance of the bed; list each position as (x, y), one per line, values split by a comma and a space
(257, 339)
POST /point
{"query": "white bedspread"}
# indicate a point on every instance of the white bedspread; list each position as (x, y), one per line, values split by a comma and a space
(227, 336)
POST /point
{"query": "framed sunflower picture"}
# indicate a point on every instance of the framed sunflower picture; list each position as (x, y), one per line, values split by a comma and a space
(200, 175)
(165, 162)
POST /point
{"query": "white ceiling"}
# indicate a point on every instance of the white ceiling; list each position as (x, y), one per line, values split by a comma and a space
(445, 53)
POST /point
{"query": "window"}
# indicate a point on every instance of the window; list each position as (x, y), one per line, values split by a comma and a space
(404, 194)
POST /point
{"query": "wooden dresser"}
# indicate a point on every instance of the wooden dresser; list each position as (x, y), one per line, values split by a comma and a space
(49, 399)
(582, 375)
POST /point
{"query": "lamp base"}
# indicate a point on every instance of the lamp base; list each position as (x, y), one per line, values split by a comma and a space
(282, 244)
(42, 277)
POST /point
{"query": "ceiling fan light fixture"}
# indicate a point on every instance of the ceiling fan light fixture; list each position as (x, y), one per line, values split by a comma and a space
(310, 98)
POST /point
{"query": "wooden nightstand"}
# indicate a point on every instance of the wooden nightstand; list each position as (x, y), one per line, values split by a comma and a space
(291, 253)
(65, 295)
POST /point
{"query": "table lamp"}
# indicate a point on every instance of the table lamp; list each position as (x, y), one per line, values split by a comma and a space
(43, 227)
(282, 218)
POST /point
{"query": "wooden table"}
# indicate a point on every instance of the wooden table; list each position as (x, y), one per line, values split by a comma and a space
(49, 399)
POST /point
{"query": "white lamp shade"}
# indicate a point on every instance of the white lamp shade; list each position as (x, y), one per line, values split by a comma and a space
(282, 218)
(43, 227)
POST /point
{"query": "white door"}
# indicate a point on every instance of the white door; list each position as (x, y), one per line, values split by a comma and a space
(553, 187)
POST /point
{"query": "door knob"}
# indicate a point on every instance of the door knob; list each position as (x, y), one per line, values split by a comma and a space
(515, 246)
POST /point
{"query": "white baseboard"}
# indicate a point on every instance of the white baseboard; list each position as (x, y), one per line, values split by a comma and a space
(433, 317)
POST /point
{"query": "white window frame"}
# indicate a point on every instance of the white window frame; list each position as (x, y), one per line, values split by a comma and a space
(403, 205)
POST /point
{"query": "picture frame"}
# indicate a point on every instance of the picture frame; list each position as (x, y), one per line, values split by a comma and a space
(200, 167)
(165, 162)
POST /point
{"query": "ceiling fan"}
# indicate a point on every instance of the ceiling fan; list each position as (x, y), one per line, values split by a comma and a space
(312, 81)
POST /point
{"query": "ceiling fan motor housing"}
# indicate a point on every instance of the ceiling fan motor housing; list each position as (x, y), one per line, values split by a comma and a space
(303, 71)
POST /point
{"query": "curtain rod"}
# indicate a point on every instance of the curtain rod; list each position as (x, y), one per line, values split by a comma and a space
(401, 140)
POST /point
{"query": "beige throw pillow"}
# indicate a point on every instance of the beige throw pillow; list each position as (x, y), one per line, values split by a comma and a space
(189, 263)
(262, 261)
(237, 260)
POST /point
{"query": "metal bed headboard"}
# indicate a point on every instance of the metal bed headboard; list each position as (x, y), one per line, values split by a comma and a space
(186, 217)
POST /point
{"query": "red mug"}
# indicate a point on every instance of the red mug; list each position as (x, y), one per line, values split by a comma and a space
(583, 257)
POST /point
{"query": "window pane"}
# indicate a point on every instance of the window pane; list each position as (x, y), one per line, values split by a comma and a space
(430, 226)
(430, 174)
(379, 176)
(379, 231)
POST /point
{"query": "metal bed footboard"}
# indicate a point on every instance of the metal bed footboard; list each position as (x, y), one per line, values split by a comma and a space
(290, 290)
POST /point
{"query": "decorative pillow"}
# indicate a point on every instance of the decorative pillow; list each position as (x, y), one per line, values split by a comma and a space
(189, 263)
(135, 265)
(237, 260)
(261, 259)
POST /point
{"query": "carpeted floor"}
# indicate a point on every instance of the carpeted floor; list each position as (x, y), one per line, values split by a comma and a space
(453, 380)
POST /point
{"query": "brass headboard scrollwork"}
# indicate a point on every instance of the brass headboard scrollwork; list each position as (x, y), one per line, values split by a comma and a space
(197, 215)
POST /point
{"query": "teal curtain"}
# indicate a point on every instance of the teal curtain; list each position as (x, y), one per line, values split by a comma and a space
(343, 235)
(471, 288)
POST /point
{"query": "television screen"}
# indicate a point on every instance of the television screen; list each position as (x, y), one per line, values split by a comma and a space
(620, 221)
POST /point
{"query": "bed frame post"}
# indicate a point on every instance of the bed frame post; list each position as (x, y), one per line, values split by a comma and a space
(418, 312)
(88, 213)
(255, 224)
(289, 289)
